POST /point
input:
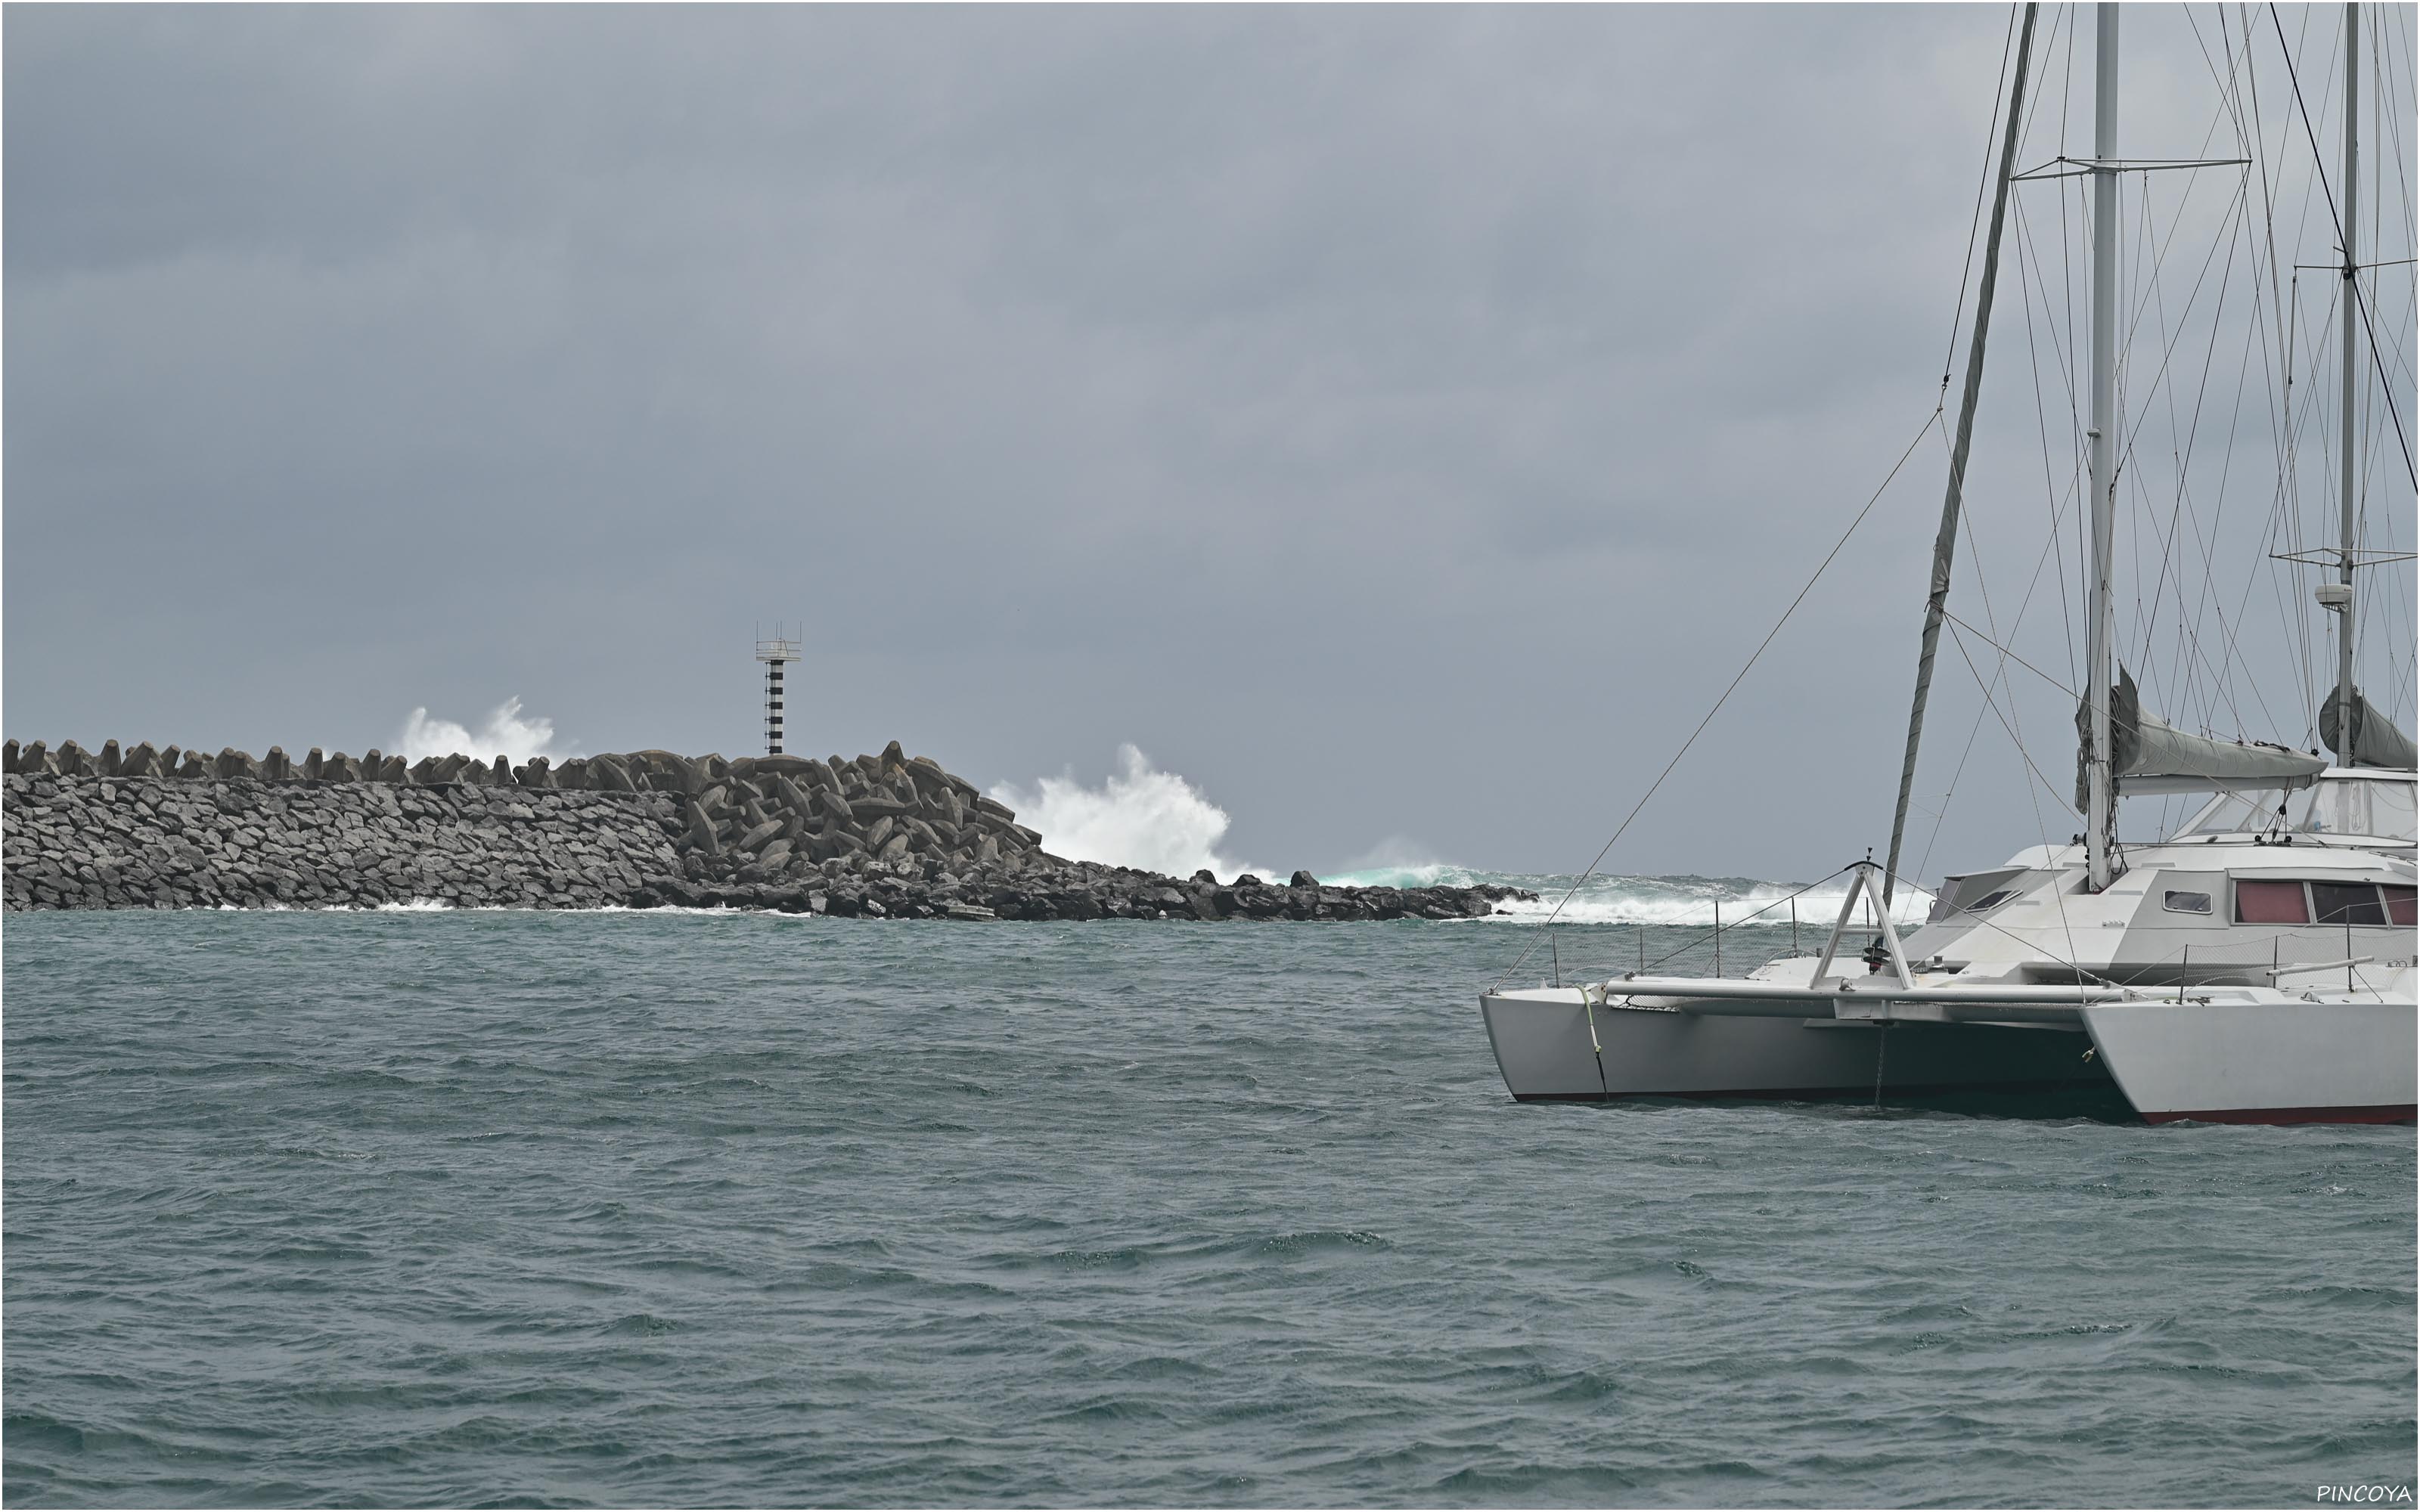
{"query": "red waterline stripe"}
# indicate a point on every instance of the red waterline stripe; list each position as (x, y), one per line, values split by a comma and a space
(1829, 1094)
(2371, 1113)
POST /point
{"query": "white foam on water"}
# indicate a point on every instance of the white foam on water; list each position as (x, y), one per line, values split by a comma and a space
(508, 732)
(1693, 902)
(1681, 902)
(1398, 862)
(1139, 816)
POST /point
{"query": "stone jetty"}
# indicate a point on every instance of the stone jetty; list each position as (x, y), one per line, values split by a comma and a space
(888, 836)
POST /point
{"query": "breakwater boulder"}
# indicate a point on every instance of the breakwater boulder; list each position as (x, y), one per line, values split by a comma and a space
(887, 836)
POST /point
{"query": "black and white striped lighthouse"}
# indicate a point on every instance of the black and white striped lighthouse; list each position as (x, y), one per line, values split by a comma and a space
(775, 654)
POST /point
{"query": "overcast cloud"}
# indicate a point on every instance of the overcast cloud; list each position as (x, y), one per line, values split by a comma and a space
(1399, 422)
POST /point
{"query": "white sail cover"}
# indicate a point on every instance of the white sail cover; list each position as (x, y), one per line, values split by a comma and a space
(2150, 755)
(2376, 741)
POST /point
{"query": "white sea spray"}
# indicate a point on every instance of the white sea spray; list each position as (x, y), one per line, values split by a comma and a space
(508, 732)
(1139, 816)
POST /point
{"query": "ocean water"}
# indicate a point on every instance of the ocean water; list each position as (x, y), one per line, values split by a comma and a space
(526, 1209)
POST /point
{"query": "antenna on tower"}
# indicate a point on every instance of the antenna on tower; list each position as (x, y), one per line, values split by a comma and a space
(775, 652)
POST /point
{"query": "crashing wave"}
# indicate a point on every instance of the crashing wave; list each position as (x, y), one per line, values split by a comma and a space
(507, 733)
(1139, 816)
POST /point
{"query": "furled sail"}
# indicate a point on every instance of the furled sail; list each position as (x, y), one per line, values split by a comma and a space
(2150, 755)
(2376, 741)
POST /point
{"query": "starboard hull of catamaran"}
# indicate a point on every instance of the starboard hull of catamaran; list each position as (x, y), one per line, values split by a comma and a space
(2266, 1063)
(2286, 1060)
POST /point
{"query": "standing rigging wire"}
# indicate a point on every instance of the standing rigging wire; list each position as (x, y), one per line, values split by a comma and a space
(2344, 242)
(1982, 584)
(1931, 420)
(1813, 577)
(2284, 519)
(1999, 668)
(2371, 437)
(2207, 605)
(2308, 351)
(1974, 553)
(1975, 217)
(2058, 895)
(2352, 290)
(2170, 542)
(2237, 80)
(2210, 646)
(2206, 602)
(2029, 255)
(2351, 285)
(2067, 288)
(1958, 630)
(1945, 544)
(2387, 104)
(2240, 77)
(2207, 664)
(2145, 295)
(2391, 99)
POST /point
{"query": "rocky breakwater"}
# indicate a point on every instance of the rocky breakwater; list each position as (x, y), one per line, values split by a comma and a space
(876, 835)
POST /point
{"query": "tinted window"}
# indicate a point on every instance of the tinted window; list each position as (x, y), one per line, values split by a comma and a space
(2347, 902)
(2270, 902)
(1990, 899)
(2399, 906)
(2187, 903)
(1960, 895)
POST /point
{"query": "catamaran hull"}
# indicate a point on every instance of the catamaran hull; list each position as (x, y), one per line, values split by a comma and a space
(2268, 1062)
(1542, 1046)
(2291, 1060)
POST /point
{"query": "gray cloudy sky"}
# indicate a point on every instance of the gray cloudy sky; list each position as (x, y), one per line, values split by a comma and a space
(1398, 421)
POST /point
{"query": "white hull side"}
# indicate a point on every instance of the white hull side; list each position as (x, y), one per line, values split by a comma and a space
(1540, 1038)
(2288, 1061)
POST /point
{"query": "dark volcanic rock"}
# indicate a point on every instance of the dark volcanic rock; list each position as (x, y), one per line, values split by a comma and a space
(888, 836)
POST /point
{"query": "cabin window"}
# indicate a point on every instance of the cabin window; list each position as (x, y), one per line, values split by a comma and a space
(1973, 893)
(2399, 906)
(2185, 903)
(2270, 902)
(2347, 902)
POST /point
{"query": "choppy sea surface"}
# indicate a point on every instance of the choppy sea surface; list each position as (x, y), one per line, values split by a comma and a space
(532, 1209)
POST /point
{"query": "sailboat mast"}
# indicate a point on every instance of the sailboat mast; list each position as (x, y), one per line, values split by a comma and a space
(1944, 544)
(2101, 819)
(2345, 527)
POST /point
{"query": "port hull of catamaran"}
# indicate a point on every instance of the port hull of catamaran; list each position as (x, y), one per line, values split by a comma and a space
(1543, 1043)
(2293, 1061)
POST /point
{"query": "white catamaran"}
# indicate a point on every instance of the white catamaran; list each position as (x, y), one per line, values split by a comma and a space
(2255, 965)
